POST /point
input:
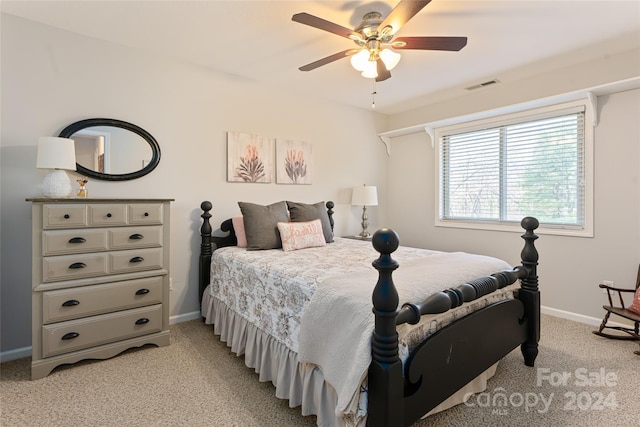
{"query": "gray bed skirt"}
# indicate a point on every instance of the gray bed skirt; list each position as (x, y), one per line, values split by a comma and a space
(302, 384)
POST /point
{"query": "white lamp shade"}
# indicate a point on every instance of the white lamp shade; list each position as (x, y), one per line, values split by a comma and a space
(390, 58)
(56, 153)
(365, 196)
(360, 59)
(370, 70)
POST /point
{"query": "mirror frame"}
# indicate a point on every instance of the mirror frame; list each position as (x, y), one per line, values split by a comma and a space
(155, 148)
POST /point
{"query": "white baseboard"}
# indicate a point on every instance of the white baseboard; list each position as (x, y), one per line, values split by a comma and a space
(580, 318)
(185, 317)
(19, 353)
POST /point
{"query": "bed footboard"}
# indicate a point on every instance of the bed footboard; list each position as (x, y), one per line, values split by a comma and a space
(458, 353)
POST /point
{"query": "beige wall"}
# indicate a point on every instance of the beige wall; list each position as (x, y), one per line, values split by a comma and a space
(570, 267)
(51, 78)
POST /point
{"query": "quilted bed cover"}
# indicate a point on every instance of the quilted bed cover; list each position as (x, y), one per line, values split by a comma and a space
(284, 295)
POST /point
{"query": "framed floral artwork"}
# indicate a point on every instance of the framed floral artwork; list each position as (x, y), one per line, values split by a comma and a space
(249, 158)
(294, 162)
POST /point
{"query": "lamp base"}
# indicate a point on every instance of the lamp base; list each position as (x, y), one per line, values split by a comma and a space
(56, 184)
(364, 234)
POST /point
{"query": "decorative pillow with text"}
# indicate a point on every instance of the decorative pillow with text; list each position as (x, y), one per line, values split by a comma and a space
(300, 235)
(302, 212)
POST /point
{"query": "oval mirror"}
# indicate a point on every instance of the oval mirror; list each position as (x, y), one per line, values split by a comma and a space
(112, 150)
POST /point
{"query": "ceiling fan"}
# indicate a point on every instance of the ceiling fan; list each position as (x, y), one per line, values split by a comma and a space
(375, 55)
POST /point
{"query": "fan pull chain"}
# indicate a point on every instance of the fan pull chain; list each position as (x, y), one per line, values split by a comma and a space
(373, 95)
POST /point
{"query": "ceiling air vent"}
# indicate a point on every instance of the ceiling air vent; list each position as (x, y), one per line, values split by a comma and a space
(484, 84)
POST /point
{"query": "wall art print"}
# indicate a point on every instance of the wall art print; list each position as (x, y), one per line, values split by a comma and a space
(294, 162)
(249, 158)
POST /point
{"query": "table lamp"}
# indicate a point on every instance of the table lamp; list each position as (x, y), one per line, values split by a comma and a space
(364, 196)
(58, 155)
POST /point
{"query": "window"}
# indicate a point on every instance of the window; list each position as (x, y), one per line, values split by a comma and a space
(494, 172)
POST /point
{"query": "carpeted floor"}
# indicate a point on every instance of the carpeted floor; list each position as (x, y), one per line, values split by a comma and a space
(579, 380)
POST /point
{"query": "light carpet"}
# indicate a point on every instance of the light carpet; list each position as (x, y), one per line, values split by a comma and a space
(579, 380)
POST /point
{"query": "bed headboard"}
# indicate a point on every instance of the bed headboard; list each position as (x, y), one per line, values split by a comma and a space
(210, 242)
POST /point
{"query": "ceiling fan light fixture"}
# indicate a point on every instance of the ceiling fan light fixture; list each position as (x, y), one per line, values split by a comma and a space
(360, 60)
(374, 55)
(390, 58)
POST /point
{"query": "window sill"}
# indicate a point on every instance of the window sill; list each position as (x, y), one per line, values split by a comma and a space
(515, 228)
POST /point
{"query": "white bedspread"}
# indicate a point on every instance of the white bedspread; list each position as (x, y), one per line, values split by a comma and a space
(304, 299)
(271, 288)
(338, 320)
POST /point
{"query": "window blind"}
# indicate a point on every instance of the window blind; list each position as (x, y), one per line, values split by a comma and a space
(531, 167)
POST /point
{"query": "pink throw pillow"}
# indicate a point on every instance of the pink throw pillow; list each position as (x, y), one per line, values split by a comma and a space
(635, 306)
(238, 226)
(300, 235)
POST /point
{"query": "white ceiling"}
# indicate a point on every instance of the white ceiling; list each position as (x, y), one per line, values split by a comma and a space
(508, 40)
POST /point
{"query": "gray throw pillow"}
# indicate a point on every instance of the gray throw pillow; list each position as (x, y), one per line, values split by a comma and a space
(261, 224)
(302, 212)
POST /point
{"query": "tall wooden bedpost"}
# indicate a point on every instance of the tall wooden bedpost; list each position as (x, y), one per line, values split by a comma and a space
(385, 371)
(205, 248)
(529, 293)
(330, 206)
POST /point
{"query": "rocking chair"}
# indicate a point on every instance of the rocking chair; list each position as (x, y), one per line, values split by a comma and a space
(621, 310)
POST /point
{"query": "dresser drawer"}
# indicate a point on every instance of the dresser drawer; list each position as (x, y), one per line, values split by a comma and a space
(145, 213)
(73, 267)
(101, 215)
(135, 237)
(136, 260)
(61, 242)
(64, 216)
(73, 335)
(67, 304)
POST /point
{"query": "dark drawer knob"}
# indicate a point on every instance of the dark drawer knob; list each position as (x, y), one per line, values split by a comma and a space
(142, 321)
(142, 291)
(109, 215)
(146, 214)
(70, 303)
(136, 236)
(136, 259)
(77, 240)
(76, 265)
(67, 216)
(70, 336)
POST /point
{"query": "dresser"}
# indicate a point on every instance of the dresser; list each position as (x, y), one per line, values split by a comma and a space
(100, 278)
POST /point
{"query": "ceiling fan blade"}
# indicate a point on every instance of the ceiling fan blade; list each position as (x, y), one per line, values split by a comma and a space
(383, 73)
(327, 60)
(400, 14)
(322, 24)
(431, 43)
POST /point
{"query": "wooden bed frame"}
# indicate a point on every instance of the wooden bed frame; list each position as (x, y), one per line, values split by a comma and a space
(447, 359)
